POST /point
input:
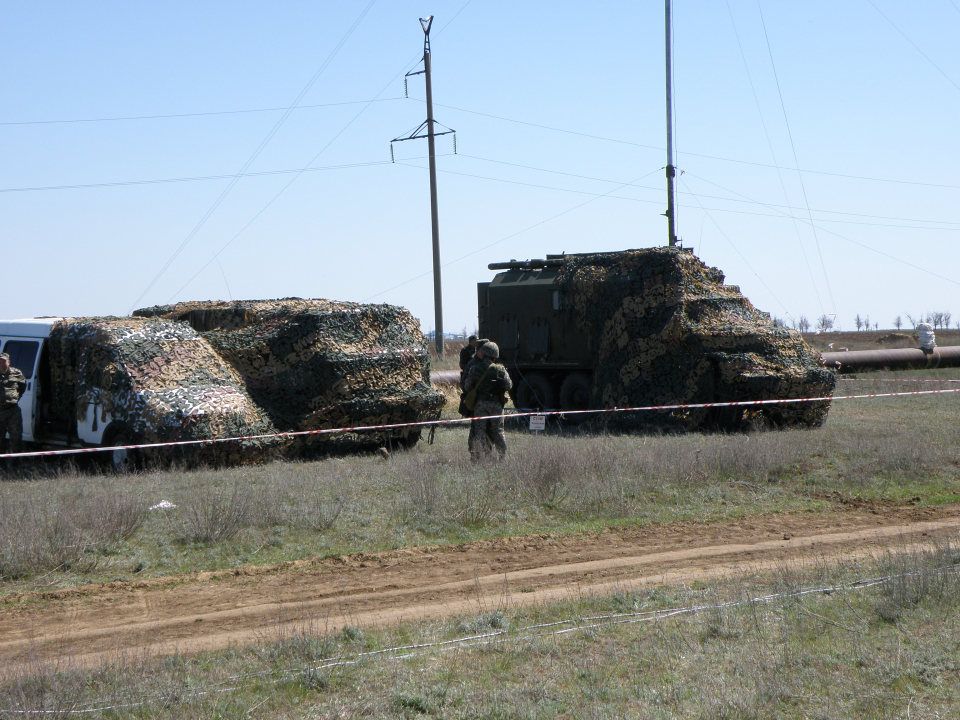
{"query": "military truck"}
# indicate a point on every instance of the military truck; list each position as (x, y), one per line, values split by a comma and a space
(646, 327)
(205, 370)
(116, 381)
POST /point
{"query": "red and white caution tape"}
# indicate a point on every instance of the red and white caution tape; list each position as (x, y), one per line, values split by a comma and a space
(904, 380)
(451, 421)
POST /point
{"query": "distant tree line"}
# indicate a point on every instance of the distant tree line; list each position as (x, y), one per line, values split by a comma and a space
(825, 323)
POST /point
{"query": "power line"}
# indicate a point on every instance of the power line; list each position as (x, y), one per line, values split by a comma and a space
(746, 262)
(256, 153)
(796, 161)
(373, 163)
(162, 181)
(509, 237)
(915, 46)
(847, 176)
(274, 198)
(189, 115)
(714, 197)
(657, 202)
(297, 175)
(471, 112)
(831, 232)
(766, 133)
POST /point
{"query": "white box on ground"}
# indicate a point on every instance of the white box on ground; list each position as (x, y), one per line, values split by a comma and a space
(538, 422)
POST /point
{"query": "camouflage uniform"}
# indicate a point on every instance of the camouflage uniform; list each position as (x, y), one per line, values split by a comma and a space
(494, 383)
(12, 385)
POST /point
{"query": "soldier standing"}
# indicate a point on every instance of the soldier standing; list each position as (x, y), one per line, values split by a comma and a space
(12, 385)
(463, 409)
(474, 359)
(467, 352)
(492, 383)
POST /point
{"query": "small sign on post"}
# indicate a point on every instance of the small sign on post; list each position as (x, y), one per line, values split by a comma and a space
(538, 422)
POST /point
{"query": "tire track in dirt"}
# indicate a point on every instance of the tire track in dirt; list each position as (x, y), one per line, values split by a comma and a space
(215, 610)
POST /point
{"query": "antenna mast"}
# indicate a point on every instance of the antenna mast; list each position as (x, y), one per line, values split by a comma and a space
(671, 169)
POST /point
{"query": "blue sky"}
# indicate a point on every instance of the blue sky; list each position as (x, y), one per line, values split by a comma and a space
(559, 113)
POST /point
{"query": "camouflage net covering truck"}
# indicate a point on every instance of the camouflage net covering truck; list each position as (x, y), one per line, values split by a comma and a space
(199, 371)
(320, 364)
(647, 327)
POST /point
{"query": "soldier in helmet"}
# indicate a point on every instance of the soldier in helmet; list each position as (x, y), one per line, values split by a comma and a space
(12, 385)
(492, 383)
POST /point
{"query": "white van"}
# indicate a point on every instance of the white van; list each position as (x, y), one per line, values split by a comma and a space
(140, 381)
(25, 341)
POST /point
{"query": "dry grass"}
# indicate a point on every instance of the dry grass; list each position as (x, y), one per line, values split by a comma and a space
(68, 529)
(76, 526)
(881, 650)
(810, 641)
(451, 355)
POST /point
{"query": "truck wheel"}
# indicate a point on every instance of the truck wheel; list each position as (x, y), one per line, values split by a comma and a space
(122, 461)
(575, 392)
(537, 392)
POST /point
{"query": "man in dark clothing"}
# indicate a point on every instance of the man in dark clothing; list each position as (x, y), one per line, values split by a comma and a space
(463, 409)
(492, 383)
(468, 351)
(12, 385)
(472, 361)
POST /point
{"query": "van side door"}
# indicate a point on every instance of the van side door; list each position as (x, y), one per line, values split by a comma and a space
(23, 356)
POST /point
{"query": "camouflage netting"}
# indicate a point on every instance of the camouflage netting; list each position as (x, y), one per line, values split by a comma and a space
(666, 330)
(312, 364)
(158, 381)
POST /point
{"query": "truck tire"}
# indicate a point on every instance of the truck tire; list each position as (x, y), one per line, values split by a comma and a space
(121, 462)
(537, 392)
(575, 392)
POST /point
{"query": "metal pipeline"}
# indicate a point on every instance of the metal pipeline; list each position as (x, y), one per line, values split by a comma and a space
(445, 377)
(900, 359)
(842, 362)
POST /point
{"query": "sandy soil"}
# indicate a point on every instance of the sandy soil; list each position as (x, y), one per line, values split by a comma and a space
(213, 610)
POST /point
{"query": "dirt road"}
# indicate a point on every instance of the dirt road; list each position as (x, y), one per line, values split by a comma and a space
(213, 610)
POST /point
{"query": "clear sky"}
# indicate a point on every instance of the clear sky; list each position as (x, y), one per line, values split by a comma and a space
(559, 113)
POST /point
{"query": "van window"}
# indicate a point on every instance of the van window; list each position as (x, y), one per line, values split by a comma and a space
(23, 354)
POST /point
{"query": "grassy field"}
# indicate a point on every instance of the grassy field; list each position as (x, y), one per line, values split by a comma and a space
(866, 641)
(63, 527)
(451, 355)
(886, 649)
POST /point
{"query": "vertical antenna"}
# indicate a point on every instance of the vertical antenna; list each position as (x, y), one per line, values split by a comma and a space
(425, 23)
(671, 169)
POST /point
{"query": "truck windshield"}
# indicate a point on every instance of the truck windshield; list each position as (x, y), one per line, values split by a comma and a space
(23, 354)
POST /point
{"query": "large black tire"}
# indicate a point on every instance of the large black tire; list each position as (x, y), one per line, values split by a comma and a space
(121, 462)
(575, 392)
(537, 392)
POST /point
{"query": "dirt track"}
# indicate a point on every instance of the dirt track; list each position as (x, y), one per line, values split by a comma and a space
(212, 610)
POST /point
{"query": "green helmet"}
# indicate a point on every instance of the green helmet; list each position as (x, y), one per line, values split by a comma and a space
(490, 350)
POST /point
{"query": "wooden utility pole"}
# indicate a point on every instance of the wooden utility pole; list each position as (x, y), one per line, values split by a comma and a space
(425, 23)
